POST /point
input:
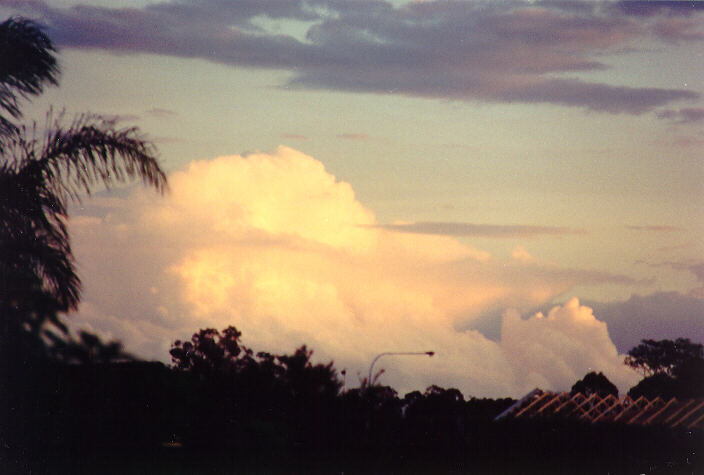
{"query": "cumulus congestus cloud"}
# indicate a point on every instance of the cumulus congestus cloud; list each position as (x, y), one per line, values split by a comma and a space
(275, 245)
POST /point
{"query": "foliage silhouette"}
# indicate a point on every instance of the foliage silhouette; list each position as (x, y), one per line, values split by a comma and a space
(688, 382)
(663, 356)
(28, 64)
(594, 383)
(221, 406)
(88, 348)
(231, 409)
(436, 418)
(209, 352)
(670, 368)
(41, 172)
(657, 385)
(690, 378)
(259, 397)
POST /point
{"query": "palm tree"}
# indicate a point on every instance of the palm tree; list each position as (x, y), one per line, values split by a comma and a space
(28, 62)
(41, 172)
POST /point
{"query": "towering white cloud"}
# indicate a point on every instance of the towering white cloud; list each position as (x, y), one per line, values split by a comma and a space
(275, 245)
(557, 349)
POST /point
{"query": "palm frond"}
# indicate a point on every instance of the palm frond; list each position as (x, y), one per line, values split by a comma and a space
(27, 64)
(93, 151)
(39, 174)
(43, 259)
(39, 177)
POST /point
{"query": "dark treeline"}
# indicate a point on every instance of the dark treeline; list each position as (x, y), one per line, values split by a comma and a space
(75, 404)
(222, 408)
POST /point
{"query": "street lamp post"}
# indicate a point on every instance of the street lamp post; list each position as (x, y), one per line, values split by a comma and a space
(395, 353)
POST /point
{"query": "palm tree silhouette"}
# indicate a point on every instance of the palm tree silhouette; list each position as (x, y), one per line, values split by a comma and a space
(28, 63)
(42, 170)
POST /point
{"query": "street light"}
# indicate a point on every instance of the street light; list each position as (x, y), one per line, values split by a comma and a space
(395, 353)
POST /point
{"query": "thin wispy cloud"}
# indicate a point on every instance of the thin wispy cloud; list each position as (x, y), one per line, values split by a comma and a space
(686, 115)
(655, 228)
(693, 266)
(688, 141)
(353, 136)
(460, 229)
(159, 112)
(460, 146)
(676, 30)
(475, 51)
(294, 136)
(120, 117)
(696, 268)
(675, 247)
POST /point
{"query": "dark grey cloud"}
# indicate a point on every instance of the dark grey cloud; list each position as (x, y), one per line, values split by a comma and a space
(638, 8)
(692, 265)
(676, 30)
(647, 8)
(687, 115)
(480, 230)
(479, 51)
(661, 315)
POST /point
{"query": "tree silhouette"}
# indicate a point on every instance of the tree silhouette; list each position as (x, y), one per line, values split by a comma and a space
(42, 170)
(211, 353)
(88, 348)
(663, 356)
(671, 368)
(595, 383)
(28, 63)
(253, 400)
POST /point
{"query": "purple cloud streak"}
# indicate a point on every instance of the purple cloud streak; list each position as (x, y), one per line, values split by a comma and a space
(480, 230)
(474, 51)
(687, 115)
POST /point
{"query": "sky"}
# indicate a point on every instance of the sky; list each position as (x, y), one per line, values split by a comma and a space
(516, 186)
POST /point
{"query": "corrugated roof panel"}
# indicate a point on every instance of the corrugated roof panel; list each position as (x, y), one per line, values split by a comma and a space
(691, 413)
(651, 408)
(538, 400)
(596, 409)
(662, 413)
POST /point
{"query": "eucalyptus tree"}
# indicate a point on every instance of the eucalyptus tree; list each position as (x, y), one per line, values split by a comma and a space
(663, 356)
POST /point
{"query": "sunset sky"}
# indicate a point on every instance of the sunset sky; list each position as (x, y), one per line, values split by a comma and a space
(518, 186)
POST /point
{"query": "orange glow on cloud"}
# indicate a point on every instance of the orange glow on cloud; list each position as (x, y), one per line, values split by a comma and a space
(275, 245)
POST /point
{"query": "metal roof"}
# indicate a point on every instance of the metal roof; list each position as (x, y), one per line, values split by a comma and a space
(674, 413)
